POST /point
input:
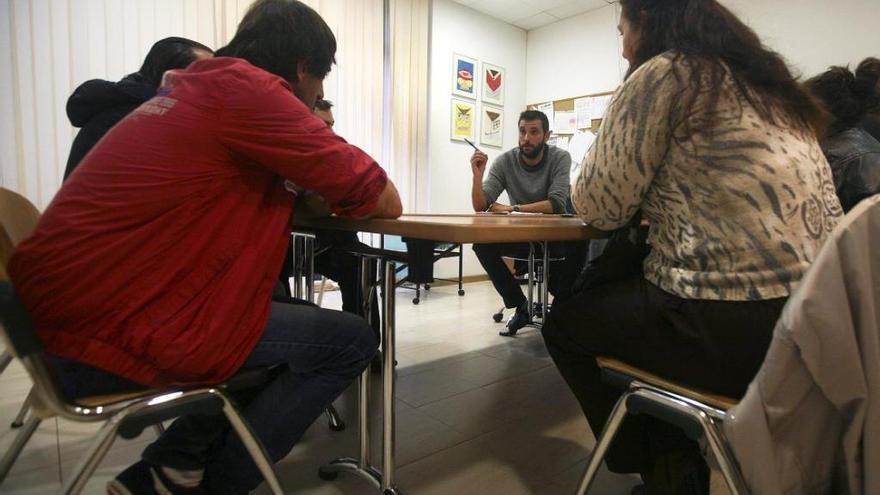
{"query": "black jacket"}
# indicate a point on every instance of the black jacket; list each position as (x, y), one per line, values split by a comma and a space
(854, 157)
(96, 106)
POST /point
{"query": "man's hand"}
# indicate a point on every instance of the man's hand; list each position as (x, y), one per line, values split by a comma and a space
(312, 205)
(478, 163)
(500, 208)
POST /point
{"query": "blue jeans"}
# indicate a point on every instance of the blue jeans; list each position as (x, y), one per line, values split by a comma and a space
(324, 351)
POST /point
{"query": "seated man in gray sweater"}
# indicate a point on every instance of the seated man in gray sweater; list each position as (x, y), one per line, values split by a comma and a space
(536, 178)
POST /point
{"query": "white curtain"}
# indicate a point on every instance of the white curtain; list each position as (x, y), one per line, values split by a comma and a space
(410, 38)
(49, 47)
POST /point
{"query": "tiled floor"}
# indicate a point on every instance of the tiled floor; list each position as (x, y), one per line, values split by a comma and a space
(477, 414)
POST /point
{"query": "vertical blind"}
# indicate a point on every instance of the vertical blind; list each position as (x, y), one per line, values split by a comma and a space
(49, 47)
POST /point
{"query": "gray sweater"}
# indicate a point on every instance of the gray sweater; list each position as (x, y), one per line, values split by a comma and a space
(527, 184)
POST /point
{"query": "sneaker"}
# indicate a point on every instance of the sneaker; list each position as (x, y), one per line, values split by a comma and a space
(142, 478)
(519, 319)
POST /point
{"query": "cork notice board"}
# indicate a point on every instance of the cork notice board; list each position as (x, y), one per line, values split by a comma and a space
(568, 105)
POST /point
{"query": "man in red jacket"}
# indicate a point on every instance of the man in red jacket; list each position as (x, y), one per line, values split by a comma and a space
(155, 262)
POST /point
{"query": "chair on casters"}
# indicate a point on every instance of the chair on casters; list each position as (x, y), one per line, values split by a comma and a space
(126, 414)
(535, 274)
(699, 414)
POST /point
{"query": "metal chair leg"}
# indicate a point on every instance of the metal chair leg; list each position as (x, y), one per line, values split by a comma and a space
(92, 458)
(21, 439)
(159, 428)
(603, 442)
(254, 447)
(22, 413)
(724, 457)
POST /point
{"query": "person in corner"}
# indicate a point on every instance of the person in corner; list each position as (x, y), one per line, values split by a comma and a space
(536, 178)
(714, 141)
(97, 105)
(155, 263)
(854, 155)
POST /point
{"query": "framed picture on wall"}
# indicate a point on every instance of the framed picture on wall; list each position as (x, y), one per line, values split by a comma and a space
(492, 126)
(494, 82)
(464, 118)
(464, 77)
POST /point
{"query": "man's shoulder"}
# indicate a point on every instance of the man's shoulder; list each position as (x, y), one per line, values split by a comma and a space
(509, 156)
(227, 73)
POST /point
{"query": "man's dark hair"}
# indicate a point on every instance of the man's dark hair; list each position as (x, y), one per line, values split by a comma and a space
(846, 95)
(323, 105)
(529, 115)
(711, 37)
(167, 54)
(276, 35)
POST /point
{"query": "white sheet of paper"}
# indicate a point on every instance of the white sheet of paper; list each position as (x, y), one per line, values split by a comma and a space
(584, 109)
(600, 106)
(566, 122)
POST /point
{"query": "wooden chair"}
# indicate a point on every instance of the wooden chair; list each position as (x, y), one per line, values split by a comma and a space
(125, 414)
(698, 413)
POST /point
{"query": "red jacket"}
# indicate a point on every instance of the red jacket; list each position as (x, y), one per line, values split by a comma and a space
(157, 258)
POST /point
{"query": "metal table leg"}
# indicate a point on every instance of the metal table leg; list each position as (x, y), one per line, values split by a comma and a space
(531, 281)
(381, 480)
(388, 355)
(360, 466)
(546, 282)
(304, 288)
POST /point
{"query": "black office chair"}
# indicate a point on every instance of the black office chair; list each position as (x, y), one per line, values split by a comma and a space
(535, 276)
(126, 414)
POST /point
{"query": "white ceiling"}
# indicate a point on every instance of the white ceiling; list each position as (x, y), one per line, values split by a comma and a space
(531, 14)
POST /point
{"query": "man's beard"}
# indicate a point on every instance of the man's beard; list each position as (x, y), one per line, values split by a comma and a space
(536, 150)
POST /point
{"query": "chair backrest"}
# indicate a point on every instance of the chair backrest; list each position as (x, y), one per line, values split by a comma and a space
(17, 329)
(18, 218)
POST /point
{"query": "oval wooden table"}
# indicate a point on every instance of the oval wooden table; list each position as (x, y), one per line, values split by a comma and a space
(457, 228)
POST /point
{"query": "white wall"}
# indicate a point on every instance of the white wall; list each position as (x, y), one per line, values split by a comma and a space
(458, 29)
(814, 34)
(581, 55)
(577, 56)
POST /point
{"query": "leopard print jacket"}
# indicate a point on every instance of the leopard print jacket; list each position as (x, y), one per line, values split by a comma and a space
(737, 212)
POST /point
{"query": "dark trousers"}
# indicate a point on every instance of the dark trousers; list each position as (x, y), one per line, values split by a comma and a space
(562, 273)
(335, 261)
(716, 346)
(324, 351)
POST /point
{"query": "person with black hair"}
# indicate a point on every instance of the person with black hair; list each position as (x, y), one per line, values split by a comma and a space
(854, 155)
(868, 72)
(155, 262)
(97, 105)
(712, 139)
(536, 178)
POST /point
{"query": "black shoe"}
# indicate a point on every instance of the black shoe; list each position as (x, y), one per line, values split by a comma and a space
(519, 319)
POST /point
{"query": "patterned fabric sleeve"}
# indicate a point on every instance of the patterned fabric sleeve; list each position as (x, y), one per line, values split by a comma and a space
(632, 143)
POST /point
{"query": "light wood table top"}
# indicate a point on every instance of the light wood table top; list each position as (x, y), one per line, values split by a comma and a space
(465, 228)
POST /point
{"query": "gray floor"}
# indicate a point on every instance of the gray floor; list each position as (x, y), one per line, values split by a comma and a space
(477, 414)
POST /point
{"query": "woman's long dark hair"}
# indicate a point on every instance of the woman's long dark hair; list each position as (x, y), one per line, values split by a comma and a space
(849, 96)
(167, 54)
(712, 37)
